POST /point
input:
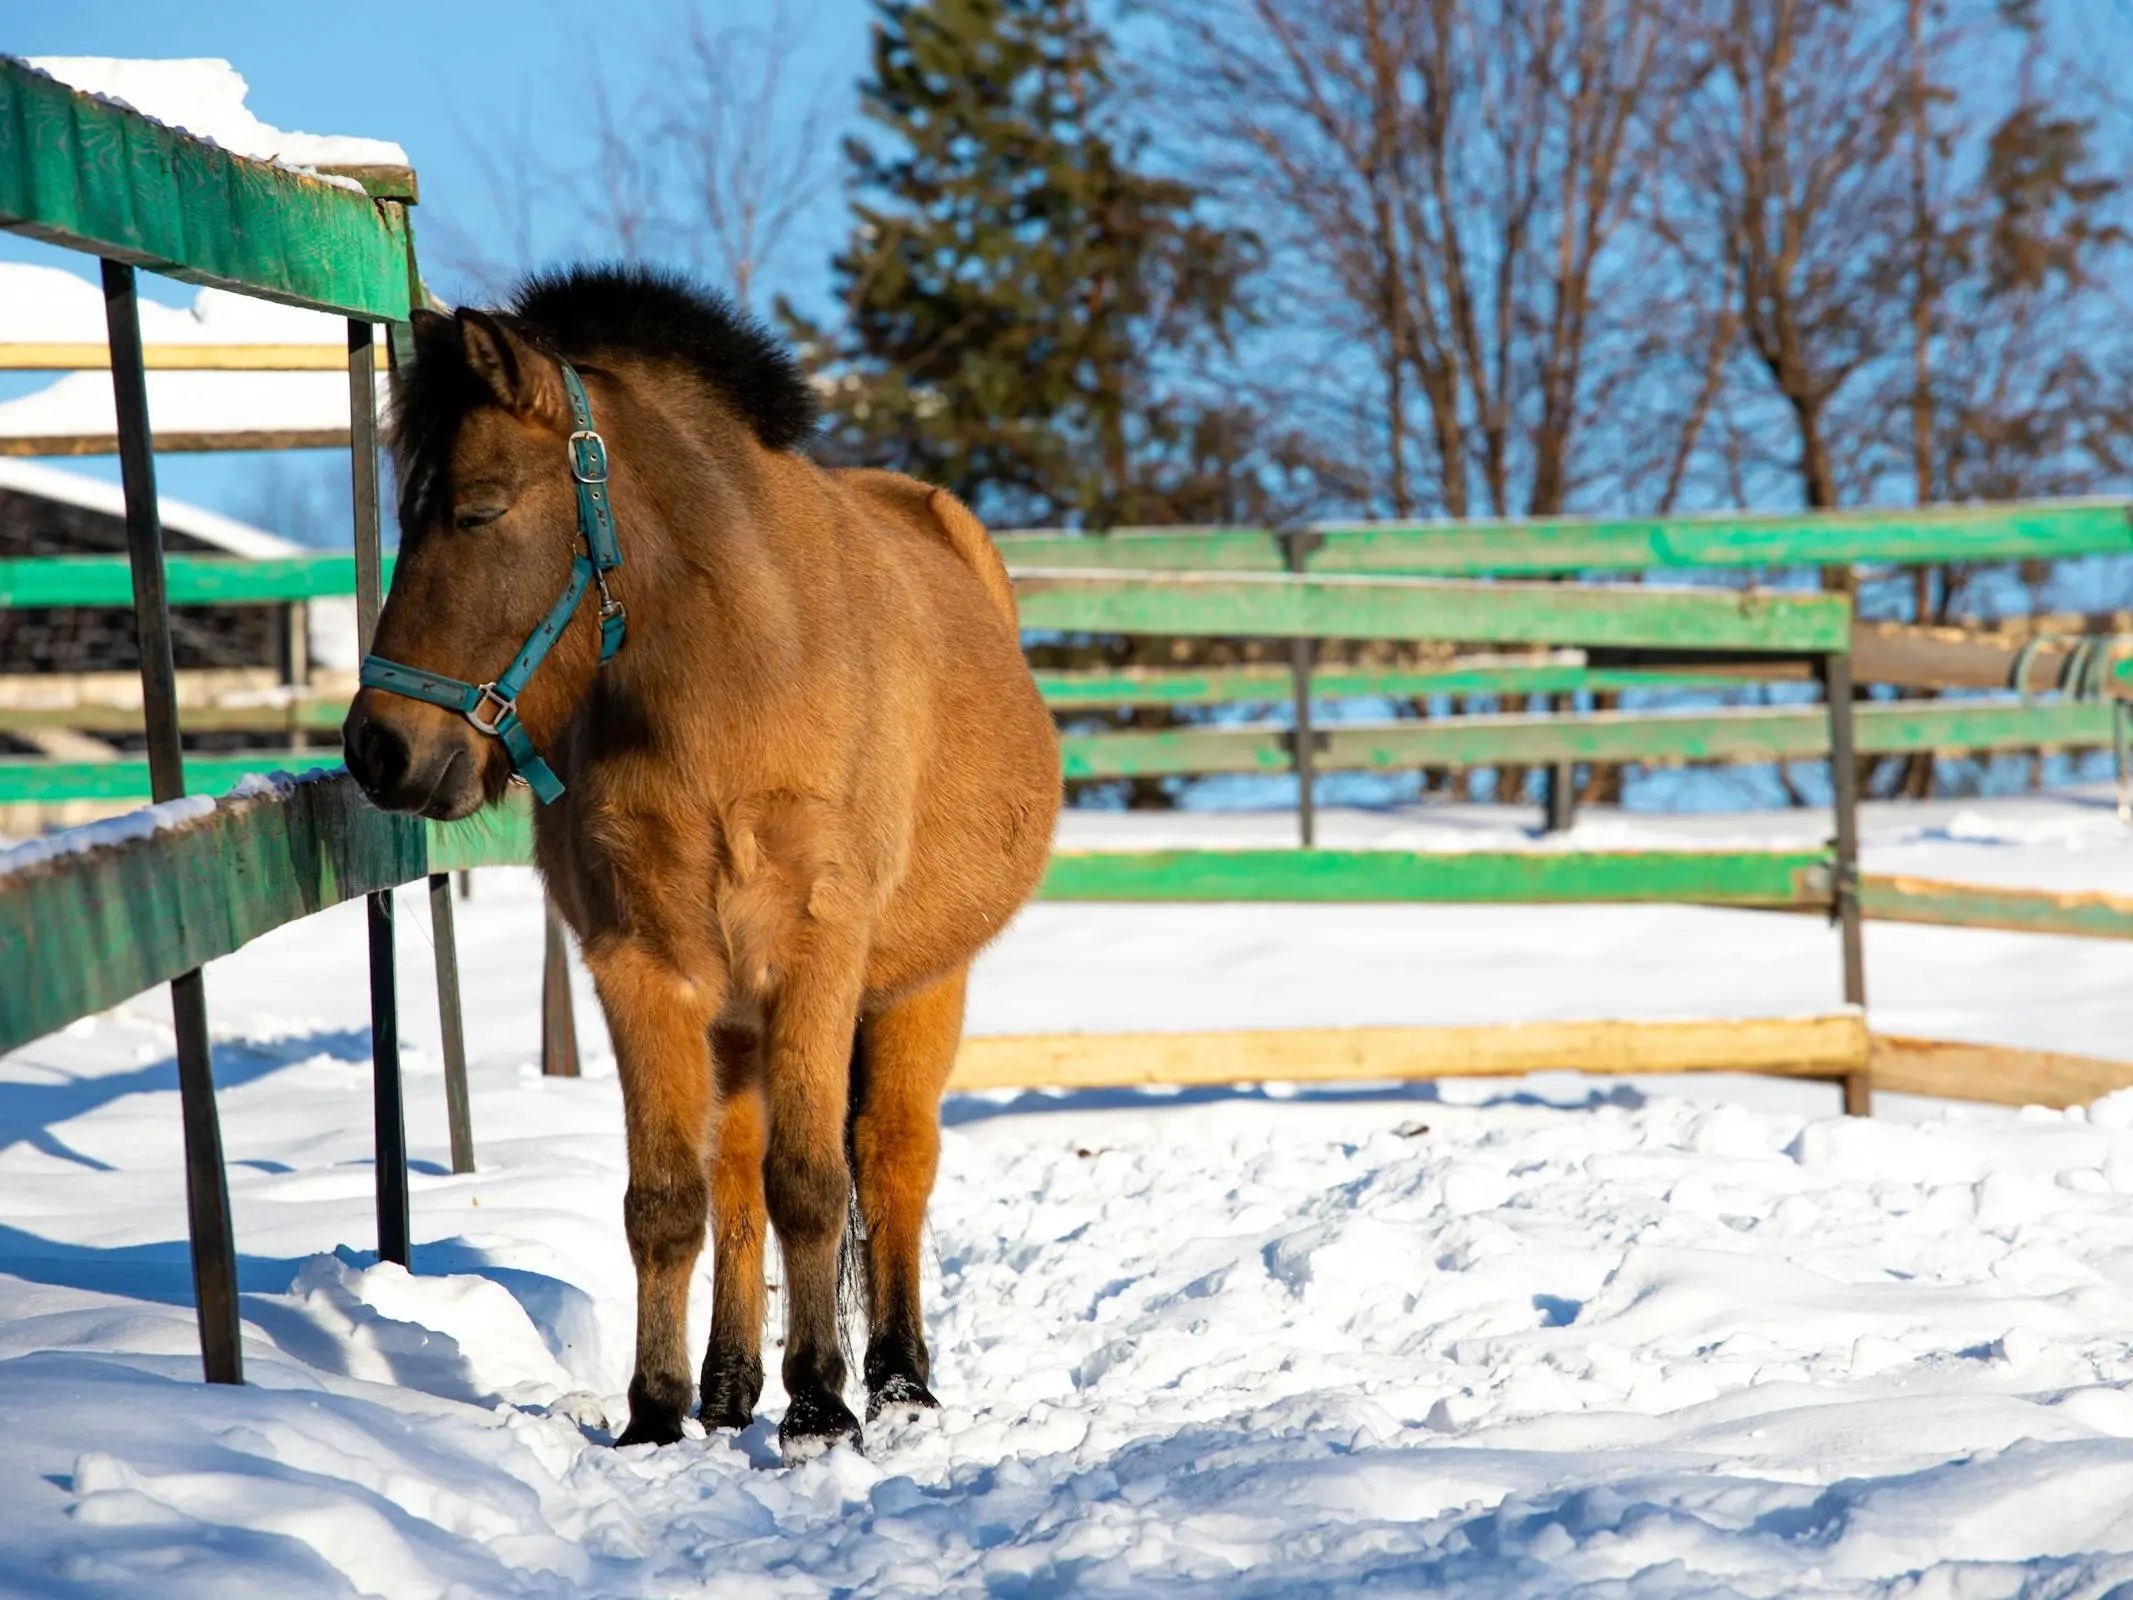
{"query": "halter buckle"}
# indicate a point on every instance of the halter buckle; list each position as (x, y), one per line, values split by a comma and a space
(485, 694)
(588, 456)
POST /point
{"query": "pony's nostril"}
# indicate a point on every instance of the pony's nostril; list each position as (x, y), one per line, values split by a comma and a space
(378, 756)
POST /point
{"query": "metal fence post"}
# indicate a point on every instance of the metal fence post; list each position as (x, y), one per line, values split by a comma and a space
(1836, 677)
(389, 1134)
(207, 1192)
(559, 1022)
(1560, 800)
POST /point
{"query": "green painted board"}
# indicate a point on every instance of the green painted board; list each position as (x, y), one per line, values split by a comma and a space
(1068, 691)
(1967, 905)
(1704, 877)
(1277, 606)
(2037, 531)
(28, 780)
(1740, 734)
(192, 580)
(88, 175)
(1145, 549)
(81, 932)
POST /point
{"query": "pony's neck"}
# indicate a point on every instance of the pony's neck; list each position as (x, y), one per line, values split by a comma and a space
(698, 578)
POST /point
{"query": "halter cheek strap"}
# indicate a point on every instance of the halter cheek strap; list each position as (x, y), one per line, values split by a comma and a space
(493, 707)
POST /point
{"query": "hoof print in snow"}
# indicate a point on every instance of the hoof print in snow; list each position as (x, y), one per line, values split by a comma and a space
(900, 1399)
(813, 1423)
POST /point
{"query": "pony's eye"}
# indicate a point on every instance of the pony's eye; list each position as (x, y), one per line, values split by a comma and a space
(475, 517)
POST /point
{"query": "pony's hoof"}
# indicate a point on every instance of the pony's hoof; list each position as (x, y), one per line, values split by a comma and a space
(901, 1399)
(813, 1423)
(730, 1391)
(651, 1427)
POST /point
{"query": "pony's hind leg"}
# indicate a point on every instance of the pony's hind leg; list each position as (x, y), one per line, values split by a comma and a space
(807, 1184)
(733, 1361)
(907, 1052)
(660, 1022)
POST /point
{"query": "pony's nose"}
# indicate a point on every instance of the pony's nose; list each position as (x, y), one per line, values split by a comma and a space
(377, 755)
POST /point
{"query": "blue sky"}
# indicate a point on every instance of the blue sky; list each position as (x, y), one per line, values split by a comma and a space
(450, 80)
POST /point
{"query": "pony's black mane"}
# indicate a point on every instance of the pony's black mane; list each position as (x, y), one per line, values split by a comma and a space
(579, 313)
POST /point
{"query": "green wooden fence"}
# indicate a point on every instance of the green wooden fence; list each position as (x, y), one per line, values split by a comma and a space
(89, 175)
(83, 930)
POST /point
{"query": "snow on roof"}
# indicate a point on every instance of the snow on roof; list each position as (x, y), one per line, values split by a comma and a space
(80, 404)
(53, 305)
(94, 494)
(205, 98)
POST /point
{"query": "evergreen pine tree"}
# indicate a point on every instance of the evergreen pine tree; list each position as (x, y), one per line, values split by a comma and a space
(1027, 310)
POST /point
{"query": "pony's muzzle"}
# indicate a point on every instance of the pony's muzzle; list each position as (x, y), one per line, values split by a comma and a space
(412, 758)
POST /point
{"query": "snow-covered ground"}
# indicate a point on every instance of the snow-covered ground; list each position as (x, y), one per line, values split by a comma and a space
(1551, 1336)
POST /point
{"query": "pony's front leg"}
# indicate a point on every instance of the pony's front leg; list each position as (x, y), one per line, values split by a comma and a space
(660, 1021)
(733, 1360)
(807, 1183)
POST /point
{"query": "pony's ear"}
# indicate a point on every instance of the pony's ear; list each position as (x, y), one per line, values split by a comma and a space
(429, 326)
(524, 381)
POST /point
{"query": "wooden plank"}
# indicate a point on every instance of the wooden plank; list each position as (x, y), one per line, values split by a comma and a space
(177, 442)
(1997, 1074)
(80, 932)
(1736, 734)
(2045, 530)
(90, 175)
(1775, 878)
(1092, 690)
(1277, 606)
(306, 713)
(23, 355)
(55, 782)
(193, 580)
(1144, 550)
(196, 686)
(2038, 531)
(1814, 1047)
(1971, 905)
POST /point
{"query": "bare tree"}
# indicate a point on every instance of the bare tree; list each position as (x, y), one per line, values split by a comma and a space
(1458, 176)
(708, 159)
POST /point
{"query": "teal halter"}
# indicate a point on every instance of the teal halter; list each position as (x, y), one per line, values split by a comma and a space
(493, 707)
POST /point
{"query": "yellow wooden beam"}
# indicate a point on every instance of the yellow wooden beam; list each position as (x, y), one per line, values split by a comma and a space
(95, 356)
(106, 444)
(1812, 1047)
(1998, 1074)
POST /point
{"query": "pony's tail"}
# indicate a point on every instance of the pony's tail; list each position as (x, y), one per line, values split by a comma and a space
(852, 1249)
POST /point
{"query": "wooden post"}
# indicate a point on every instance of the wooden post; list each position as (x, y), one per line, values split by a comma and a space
(389, 1133)
(559, 1024)
(207, 1192)
(444, 936)
(1296, 548)
(1844, 871)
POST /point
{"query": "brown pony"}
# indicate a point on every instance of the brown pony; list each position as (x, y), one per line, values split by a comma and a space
(814, 781)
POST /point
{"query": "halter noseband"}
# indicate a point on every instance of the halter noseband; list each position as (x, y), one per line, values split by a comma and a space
(493, 707)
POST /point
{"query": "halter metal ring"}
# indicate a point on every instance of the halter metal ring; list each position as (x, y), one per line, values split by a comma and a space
(588, 456)
(486, 695)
